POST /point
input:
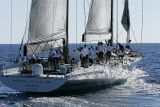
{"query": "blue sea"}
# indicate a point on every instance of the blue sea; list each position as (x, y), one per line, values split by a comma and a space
(141, 89)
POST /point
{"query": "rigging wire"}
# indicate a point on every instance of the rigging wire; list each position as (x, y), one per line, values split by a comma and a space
(133, 34)
(11, 32)
(76, 23)
(119, 34)
(142, 24)
(11, 23)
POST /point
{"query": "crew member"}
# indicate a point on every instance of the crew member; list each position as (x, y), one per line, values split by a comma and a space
(56, 60)
(108, 54)
(128, 43)
(121, 48)
(101, 50)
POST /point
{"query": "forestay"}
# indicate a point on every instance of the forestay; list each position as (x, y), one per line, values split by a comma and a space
(99, 21)
(47, 27)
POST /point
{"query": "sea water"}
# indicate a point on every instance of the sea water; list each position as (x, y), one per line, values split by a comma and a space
(140, 88)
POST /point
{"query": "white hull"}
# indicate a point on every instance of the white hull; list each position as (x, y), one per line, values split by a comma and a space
(51, 83)
(33, 84)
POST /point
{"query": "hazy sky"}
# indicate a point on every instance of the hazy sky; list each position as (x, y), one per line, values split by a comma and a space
(151, 33)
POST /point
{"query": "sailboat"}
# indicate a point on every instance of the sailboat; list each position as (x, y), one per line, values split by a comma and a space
(48, 30)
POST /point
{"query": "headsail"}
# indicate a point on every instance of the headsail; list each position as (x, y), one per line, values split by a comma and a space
(47, 27)
(99, 21)
(126, 18)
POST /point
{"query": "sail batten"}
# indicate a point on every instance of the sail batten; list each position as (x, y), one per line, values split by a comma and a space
(99, 21)
(51, 38)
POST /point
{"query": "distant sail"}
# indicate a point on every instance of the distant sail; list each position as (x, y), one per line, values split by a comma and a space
(126, 18)
(47, 24)
(99, 21)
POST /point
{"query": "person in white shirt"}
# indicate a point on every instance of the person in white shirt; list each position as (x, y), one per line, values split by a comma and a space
(92, 51)
(84, 56)
(86, 49)
(93, 58)
(84, 53)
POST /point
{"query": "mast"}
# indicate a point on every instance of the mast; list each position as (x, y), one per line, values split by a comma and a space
(67, 19)
(128, 32)
(111, 41)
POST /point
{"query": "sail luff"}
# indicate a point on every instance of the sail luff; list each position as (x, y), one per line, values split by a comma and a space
(67, 32)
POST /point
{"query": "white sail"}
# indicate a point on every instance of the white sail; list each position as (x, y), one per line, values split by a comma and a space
(47, 22)
(99, 21)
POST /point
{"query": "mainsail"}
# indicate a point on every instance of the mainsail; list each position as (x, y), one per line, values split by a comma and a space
(99, 21)
(47, 27)
(126, 18)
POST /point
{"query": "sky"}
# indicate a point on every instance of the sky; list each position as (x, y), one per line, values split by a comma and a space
(20, 13)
